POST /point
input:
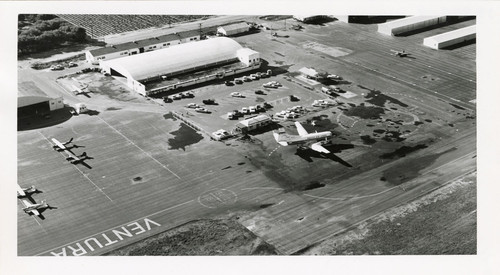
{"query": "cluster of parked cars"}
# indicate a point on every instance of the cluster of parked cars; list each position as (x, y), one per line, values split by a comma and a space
(249, 78)
(291, 113)
(248, 110)
(168, 99)
(59, 67)
(221, 134)
(332, 91)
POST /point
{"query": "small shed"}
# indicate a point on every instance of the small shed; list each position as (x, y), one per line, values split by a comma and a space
(253, 123)
(233, 29)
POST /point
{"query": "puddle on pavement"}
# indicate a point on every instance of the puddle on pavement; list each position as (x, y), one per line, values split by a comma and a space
(184, 136)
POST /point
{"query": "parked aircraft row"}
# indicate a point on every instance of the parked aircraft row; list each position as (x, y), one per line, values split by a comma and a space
(74, 159)
(30, 208)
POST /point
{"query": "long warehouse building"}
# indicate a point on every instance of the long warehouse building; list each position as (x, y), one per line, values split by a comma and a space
(409, 24)
(451, 38)
(183, 65)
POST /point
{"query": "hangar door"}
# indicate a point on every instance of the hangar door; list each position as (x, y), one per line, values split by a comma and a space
(41, 108)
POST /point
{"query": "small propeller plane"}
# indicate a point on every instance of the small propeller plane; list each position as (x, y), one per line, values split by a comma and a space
(304, 138)
(400, 53)
(60, 146)
(74, 159)
(32, 209)
(25, 192)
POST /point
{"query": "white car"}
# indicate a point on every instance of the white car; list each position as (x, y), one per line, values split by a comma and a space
(252, 109)
(245, 110)
(192, 105)
(254, 77)
(334, 77)
(201, 110)
(236, 94)
(221, 134)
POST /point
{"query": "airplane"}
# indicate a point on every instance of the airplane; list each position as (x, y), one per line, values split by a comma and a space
(60, 146)
(303, 138)
(76, 159)
(33, 208)
(25, 192)
(400, 53)
(78, 91)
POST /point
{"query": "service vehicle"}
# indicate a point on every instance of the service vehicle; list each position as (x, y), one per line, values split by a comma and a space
(192, 105)
(236, 94)
(202, 110)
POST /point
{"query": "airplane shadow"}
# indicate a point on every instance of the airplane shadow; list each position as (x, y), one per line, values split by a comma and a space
(30, 196)
(308, 154)
(41, 216)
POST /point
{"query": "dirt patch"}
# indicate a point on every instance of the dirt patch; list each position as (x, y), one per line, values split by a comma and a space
(365, 112)
(169, 116)
(403, 151)
(368, 140)
(410, 169)
(313, 185)
(202, 238)
(376, 97)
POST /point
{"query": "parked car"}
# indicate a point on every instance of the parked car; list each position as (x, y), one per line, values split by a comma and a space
(245, 110)
(247, 79)
(202, 110)
(167, 99)
(334, 77)
(259, 92)
(236, 94)
(238, 81)
(192, 105)
(209, 101)
(187, 95)
(72, 64)
(252, 109)
(221, 134)
(230, 115)
(254, 77)
(176, 97)
(228, 83)
(56, 67)
(294, 98)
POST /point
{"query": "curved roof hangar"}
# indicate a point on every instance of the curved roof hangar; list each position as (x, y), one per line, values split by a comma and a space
(176, 58)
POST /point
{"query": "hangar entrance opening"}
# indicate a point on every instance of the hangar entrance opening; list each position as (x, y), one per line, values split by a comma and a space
(38, 109)
(115, 73)
(141, 50)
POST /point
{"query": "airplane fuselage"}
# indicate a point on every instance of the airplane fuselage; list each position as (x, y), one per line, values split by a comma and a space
(285, 139)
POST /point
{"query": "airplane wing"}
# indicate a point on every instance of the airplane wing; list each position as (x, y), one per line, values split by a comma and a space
(35, 212)
(20, 191)
(300, 129)
(57, 143)
(319, 148)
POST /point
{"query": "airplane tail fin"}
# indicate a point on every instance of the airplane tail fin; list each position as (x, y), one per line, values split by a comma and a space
(83, 155)
(69, 141)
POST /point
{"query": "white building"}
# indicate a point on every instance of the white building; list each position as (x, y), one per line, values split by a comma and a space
(253, 123)
(451, 38)
(33, 101)
(183, 59)
(233, 29)
(141, 46)
(408, 24)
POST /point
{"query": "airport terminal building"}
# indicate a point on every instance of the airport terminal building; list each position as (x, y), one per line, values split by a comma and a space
(183, 65)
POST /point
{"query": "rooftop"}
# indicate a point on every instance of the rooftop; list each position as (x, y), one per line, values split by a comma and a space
(453, 34)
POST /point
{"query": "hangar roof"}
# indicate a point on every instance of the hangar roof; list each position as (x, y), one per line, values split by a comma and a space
(176, 58)
(453, 34)
(144, 42)
(408, 21)
(29, 88)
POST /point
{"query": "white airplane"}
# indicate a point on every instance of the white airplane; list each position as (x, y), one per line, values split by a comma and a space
(33, 208)
(303, 138)
(74, 159)
(23, 192)
(400, 53)
(60, 146)
(77, 90)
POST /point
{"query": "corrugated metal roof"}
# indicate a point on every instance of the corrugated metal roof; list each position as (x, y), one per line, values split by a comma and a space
(176, 58)
(236, 26)
(452, 34)
(144, 42)
(254, 120)
(28, 88)
(408, 21)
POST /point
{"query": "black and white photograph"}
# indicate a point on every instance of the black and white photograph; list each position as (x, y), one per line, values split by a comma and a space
(233, 134)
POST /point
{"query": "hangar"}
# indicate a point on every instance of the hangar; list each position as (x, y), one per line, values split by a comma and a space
(409, 24)
(167, 69)
(141, 46)
(33, 101)
(451, 38)
(233, 29)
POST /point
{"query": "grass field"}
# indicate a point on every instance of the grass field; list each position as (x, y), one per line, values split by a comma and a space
(441, 223)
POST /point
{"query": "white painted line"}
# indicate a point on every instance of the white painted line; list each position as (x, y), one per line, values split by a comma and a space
(150, 156)
(61, 152)
(263, 188)
(158, 212)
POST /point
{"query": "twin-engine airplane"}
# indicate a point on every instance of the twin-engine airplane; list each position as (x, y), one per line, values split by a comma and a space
(24, 192)
(400, 53)
(74, 159)
(304, 138)
(59, 146)
(32, 209)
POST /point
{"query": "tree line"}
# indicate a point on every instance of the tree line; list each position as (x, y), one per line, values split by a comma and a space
(41, 32)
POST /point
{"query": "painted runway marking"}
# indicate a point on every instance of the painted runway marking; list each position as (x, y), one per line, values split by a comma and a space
(273, 151)
(216, 198)
(150, 156)
(81, 172)
(263, 188)
(351, 198)
(104, 231)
